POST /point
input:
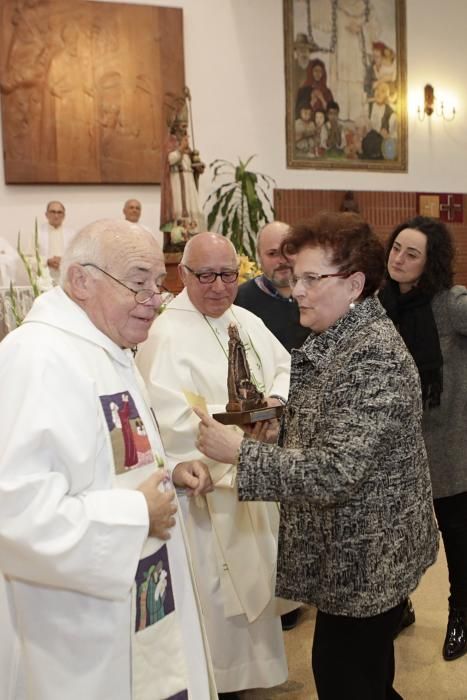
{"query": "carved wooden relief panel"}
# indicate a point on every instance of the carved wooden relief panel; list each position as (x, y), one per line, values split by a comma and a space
(82, 89)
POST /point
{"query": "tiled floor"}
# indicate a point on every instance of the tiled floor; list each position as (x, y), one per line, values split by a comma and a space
(421, 673)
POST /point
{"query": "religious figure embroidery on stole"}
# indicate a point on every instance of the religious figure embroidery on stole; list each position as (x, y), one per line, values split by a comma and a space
(130, 443)
(154, 595)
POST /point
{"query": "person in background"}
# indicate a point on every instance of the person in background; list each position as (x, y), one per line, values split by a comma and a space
(233, 545)
(350, 469)
(9, 260)
(87, 508)
(269, 296)
(53, 237)
(132, 210)
(431, 315)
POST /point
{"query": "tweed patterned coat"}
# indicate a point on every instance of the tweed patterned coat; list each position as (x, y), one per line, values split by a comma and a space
(357, 528)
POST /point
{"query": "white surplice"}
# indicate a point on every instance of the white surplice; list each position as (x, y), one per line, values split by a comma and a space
(9, 260)
(94, 609)
(53, 241)
(234, 544)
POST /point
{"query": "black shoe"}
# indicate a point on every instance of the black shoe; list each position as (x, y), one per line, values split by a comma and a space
(455, 644)
(407, 617)
(290, 619)
(228, 696)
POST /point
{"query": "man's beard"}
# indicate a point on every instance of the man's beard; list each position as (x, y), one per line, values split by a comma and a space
(282, 282)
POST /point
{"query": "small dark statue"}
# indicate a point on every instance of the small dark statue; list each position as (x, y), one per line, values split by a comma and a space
(243, 394)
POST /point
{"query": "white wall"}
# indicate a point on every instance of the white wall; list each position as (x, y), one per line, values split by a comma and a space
(235, 70)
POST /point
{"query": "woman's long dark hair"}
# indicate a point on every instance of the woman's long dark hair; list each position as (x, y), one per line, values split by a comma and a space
(438, 273)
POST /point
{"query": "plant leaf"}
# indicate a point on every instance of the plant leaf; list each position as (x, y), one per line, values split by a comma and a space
(212, 216)
(240, 204)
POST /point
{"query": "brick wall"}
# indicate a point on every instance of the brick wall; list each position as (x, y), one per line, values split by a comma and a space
(382, 210)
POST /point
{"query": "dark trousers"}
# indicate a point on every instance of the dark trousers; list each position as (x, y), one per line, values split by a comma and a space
(451, 514)
(353, 658)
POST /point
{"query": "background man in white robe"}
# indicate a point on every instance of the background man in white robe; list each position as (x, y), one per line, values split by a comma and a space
(53, 237)
(9, 260)
(233, 544)
(132, 210)
(81, 530)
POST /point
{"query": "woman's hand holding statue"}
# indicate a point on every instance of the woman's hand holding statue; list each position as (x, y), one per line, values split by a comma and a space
(217, 441)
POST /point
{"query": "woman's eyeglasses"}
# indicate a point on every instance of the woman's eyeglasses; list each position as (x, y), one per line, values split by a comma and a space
(310, 279)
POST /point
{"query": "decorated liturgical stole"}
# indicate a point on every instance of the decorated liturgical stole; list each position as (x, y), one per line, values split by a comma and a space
(166, 621)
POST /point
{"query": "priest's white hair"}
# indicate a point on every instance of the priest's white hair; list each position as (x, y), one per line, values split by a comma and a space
(97, 243)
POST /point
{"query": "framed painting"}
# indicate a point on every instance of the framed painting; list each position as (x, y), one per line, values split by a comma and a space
(82, 88)
(345, 66)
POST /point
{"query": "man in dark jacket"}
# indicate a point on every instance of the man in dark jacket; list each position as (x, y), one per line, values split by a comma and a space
(269, 295)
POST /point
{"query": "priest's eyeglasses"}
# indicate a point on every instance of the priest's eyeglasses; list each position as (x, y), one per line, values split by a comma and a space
(311, 279)
(142, 296)
(208, 277)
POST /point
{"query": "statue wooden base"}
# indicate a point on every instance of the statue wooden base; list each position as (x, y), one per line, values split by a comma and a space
(252, 416)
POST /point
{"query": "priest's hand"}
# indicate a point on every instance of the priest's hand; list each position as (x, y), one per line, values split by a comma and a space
(216, 440)
(194, 476)
(161, 504)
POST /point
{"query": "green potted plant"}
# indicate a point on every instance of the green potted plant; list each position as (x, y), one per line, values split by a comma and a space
(241, 205)
(38, 275)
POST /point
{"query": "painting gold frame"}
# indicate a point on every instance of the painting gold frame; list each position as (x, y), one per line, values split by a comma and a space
(346, 84)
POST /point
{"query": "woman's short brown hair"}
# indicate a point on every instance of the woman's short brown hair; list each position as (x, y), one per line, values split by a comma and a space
(349, 241)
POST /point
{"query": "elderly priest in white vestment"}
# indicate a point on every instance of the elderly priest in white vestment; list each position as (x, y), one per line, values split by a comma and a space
(100, 602)
(233, 544)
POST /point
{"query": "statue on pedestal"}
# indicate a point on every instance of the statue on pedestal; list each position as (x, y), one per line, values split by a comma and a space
(243, 394)
(181, 213)
(246, 403)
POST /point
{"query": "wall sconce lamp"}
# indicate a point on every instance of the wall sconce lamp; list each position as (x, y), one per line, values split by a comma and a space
(429, 106)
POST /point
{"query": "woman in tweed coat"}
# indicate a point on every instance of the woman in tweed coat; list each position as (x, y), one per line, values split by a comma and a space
(350, 470)
(431, 316)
